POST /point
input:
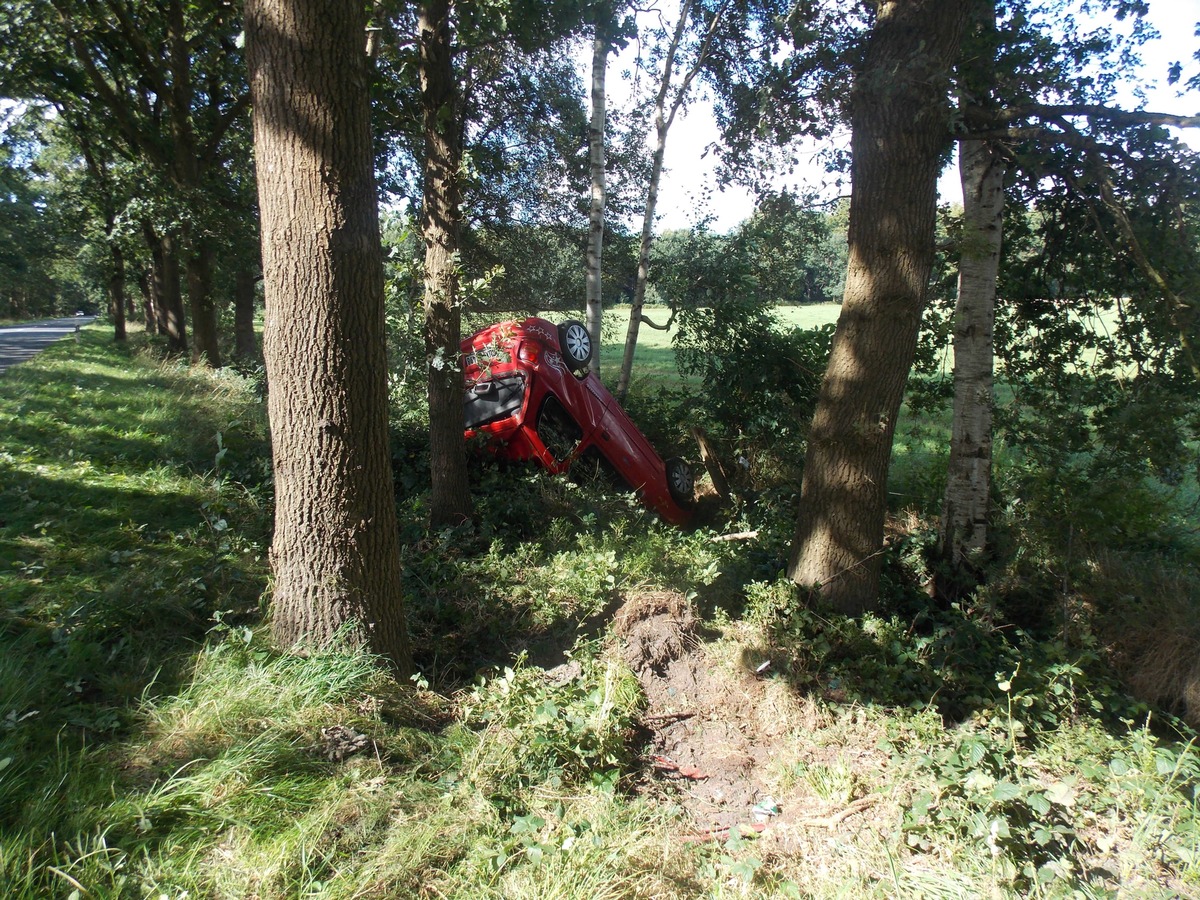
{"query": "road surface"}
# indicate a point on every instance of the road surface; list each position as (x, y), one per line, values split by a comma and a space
(21, 342)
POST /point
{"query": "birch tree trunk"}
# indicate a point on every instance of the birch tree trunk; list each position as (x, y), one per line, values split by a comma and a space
(664, 116)
(595, 249)
(149, 313)
(900, 129)
(964, 525)
(336, 550)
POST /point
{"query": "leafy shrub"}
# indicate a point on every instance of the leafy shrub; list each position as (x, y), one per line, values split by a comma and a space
(550, 732)
(757, 382)
(956, 660)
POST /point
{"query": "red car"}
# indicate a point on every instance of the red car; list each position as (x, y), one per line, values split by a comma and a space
(529, 390)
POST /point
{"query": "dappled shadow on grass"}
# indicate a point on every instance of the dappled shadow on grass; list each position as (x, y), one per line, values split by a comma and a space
(114, 557)
(125, 420)
(474, 604)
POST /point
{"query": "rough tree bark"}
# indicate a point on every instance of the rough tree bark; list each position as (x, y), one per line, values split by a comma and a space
(595, 248)
(186, 168)
(116, 289)
(205, 346)
(964, 524)
(450, 498)
(168, 301)
(336, 551)
(900, 129)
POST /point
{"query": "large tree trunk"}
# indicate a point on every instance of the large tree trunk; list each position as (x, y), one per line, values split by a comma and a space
(186, 169)
(595, 249)
(205, 346)
(964, 525)
(175, 320)
(168, 299)
(245, 340)
(336, 550)
(450, 498)
(900, 131)
(116, 292)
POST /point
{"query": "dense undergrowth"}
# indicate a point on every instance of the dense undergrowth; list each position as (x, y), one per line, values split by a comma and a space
(153, 743)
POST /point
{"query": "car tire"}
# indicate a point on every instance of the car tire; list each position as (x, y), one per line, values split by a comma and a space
(680, 481)
(576, 344)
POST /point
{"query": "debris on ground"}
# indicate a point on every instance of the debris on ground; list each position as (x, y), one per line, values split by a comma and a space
(340, 741)
(726, 738)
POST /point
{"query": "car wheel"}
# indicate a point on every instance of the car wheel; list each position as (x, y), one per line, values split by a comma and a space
(576, 344)
(680, 481)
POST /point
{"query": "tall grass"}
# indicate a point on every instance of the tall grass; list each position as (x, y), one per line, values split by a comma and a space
(153, 743)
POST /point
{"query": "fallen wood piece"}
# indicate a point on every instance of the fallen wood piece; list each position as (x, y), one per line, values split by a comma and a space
(711, 463)
(664, 717)
(719, 834)
(736, 536)
(833, 821)
(666, 764)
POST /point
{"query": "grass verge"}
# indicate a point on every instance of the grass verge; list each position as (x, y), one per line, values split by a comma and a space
(152, 743)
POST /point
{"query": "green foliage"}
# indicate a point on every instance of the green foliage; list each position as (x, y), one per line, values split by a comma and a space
(797, 254)
(160, 745)
(945, 659)
(1019, 753)
(550, 558)
(551, 731)
(756, 382)
(1044, 818)
(39, 272)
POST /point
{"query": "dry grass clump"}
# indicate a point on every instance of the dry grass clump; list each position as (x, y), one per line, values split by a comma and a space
(1151, 622)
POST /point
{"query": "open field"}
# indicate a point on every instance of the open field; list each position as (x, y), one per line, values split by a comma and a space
(654, 360)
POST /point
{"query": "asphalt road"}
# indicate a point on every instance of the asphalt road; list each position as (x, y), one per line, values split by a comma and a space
(21, 342)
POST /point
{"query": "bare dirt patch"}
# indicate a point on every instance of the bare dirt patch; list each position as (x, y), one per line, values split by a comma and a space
(736, 748)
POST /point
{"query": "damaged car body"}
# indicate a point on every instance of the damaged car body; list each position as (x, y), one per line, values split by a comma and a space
(530, 392)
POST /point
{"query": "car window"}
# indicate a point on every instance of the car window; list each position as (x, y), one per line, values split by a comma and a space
(557, 429)
(488, 401)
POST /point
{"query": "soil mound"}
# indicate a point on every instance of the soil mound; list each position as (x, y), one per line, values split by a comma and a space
(725, 740)
(697, 717)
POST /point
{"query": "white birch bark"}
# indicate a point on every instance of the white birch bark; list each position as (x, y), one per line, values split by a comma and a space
(964, 526)
(664, 116)
(595, 248)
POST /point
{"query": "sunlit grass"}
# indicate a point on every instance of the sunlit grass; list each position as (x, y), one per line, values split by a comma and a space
(153, 743)
(117, 543)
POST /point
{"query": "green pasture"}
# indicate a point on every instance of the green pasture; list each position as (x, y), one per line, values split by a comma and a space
(654, 359)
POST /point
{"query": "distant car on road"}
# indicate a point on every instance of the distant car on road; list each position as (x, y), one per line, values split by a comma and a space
(528, 390)
(80, 312)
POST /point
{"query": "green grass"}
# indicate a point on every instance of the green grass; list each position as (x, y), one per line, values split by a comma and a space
(654, 358)
(153, 743)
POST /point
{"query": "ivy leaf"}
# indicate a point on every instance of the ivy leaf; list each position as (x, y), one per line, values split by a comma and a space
(1038, 803)
(1061, 793)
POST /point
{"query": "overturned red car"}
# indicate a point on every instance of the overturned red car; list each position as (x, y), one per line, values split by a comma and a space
(528, 389)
